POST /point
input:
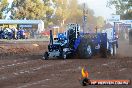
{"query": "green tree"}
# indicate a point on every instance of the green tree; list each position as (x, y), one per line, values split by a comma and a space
(123, 7)
(3, 7)
(91, 20)
(61, 12)
(67, 12)
(29, 9)
(49, 10)
(100, 21)
(72, 13)
(32, 9)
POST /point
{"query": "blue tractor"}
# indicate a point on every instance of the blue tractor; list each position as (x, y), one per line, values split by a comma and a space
(84, 45)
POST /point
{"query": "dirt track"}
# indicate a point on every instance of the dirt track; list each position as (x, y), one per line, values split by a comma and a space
(21, 67)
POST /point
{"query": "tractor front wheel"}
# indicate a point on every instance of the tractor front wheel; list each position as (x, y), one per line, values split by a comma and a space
(46, 56)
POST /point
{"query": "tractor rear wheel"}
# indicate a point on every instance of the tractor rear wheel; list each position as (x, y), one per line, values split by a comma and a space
(103, 51)
(88, 51)
(85, 48)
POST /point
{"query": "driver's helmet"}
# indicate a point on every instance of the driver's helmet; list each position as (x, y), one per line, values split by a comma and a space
(61, 36)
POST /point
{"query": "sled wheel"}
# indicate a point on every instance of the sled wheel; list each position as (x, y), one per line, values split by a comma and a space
(64, 55)
(114, 49)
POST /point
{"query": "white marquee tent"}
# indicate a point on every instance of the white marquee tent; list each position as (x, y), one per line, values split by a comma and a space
(40, 23)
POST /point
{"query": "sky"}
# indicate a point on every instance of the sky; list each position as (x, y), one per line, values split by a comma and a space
(99, 7)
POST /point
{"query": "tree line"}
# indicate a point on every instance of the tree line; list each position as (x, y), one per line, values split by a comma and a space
(123, 8)
(59, 12)
(52, 12)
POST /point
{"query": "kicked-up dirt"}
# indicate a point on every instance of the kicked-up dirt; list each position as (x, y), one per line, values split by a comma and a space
(21, 66)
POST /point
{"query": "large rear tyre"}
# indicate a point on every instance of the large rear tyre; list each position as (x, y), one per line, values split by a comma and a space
(85, 48)
(103, 51)
(88, 51)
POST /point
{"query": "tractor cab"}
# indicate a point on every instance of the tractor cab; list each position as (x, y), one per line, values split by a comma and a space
(56, 44)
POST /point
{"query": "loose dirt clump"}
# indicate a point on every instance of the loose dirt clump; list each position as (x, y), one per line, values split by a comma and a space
(22, 49)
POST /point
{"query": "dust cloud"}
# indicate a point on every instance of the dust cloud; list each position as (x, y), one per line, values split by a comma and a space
(124, 49)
